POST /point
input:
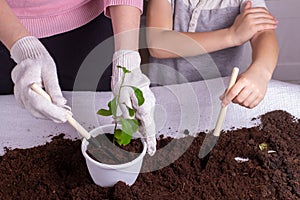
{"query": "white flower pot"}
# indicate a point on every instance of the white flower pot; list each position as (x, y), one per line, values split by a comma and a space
(107, 175)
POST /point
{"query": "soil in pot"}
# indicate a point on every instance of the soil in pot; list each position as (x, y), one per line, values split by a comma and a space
(57, 170)
(111, 152)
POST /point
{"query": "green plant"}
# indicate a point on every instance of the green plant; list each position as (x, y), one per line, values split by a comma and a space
(128, 126)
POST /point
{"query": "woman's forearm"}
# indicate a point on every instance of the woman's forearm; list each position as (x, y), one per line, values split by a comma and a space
(126, 24)
(11, 28)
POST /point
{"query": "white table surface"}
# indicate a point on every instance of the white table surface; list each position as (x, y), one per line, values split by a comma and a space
(193, 107)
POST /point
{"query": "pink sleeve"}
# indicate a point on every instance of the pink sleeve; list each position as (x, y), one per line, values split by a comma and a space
(135, 3)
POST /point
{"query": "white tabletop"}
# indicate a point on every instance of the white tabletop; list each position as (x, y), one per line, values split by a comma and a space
(191, 107)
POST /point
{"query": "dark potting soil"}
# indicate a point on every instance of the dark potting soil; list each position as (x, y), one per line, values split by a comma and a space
(112, 153)
(57, 170)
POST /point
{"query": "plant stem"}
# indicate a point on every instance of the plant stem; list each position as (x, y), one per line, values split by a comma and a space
(118, 99)
(119, 92)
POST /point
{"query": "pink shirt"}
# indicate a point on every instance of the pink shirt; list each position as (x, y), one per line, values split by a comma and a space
(44, 18)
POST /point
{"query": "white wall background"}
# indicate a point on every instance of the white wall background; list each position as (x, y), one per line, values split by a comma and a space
(288, 15)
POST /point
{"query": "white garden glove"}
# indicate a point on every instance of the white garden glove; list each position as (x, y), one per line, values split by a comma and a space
(35, 65)
(131, 60)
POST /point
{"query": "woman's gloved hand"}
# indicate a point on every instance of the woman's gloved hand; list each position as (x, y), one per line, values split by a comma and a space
(35, 65)
(131, 60)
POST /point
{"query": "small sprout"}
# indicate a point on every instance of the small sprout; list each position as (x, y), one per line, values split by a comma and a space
(129, 126)
(263, 146)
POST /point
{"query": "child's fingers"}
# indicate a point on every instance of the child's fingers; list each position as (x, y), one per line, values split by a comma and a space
(242, 96)
(261, 15)
(265, 26)
(248, 5)
(232, 93)
(265, 21)
(251, 101)
(255, 102)
(222, 96)
(256, 10)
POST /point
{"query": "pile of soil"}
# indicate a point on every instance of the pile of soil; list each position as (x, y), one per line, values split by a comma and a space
(57, 170)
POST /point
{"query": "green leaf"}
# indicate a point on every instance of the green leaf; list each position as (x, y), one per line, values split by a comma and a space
(112, 109)
(118, 134)
(124, 69)
(129, 126)
(121, 137)
(139, 95)
(113, 106)
(130, 111)
(104, 112)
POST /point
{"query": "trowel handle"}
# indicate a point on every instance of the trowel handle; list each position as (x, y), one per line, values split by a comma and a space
(223, 110)
(83, 132)
(233, 77)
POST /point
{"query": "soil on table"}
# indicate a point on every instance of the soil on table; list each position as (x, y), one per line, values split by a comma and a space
(57, 170)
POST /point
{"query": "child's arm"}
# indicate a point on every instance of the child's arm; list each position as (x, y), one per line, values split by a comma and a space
(251, 86)
(163, 42)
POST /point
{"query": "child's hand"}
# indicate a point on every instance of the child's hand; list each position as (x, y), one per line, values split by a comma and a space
(249, 22)
(249, 89)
